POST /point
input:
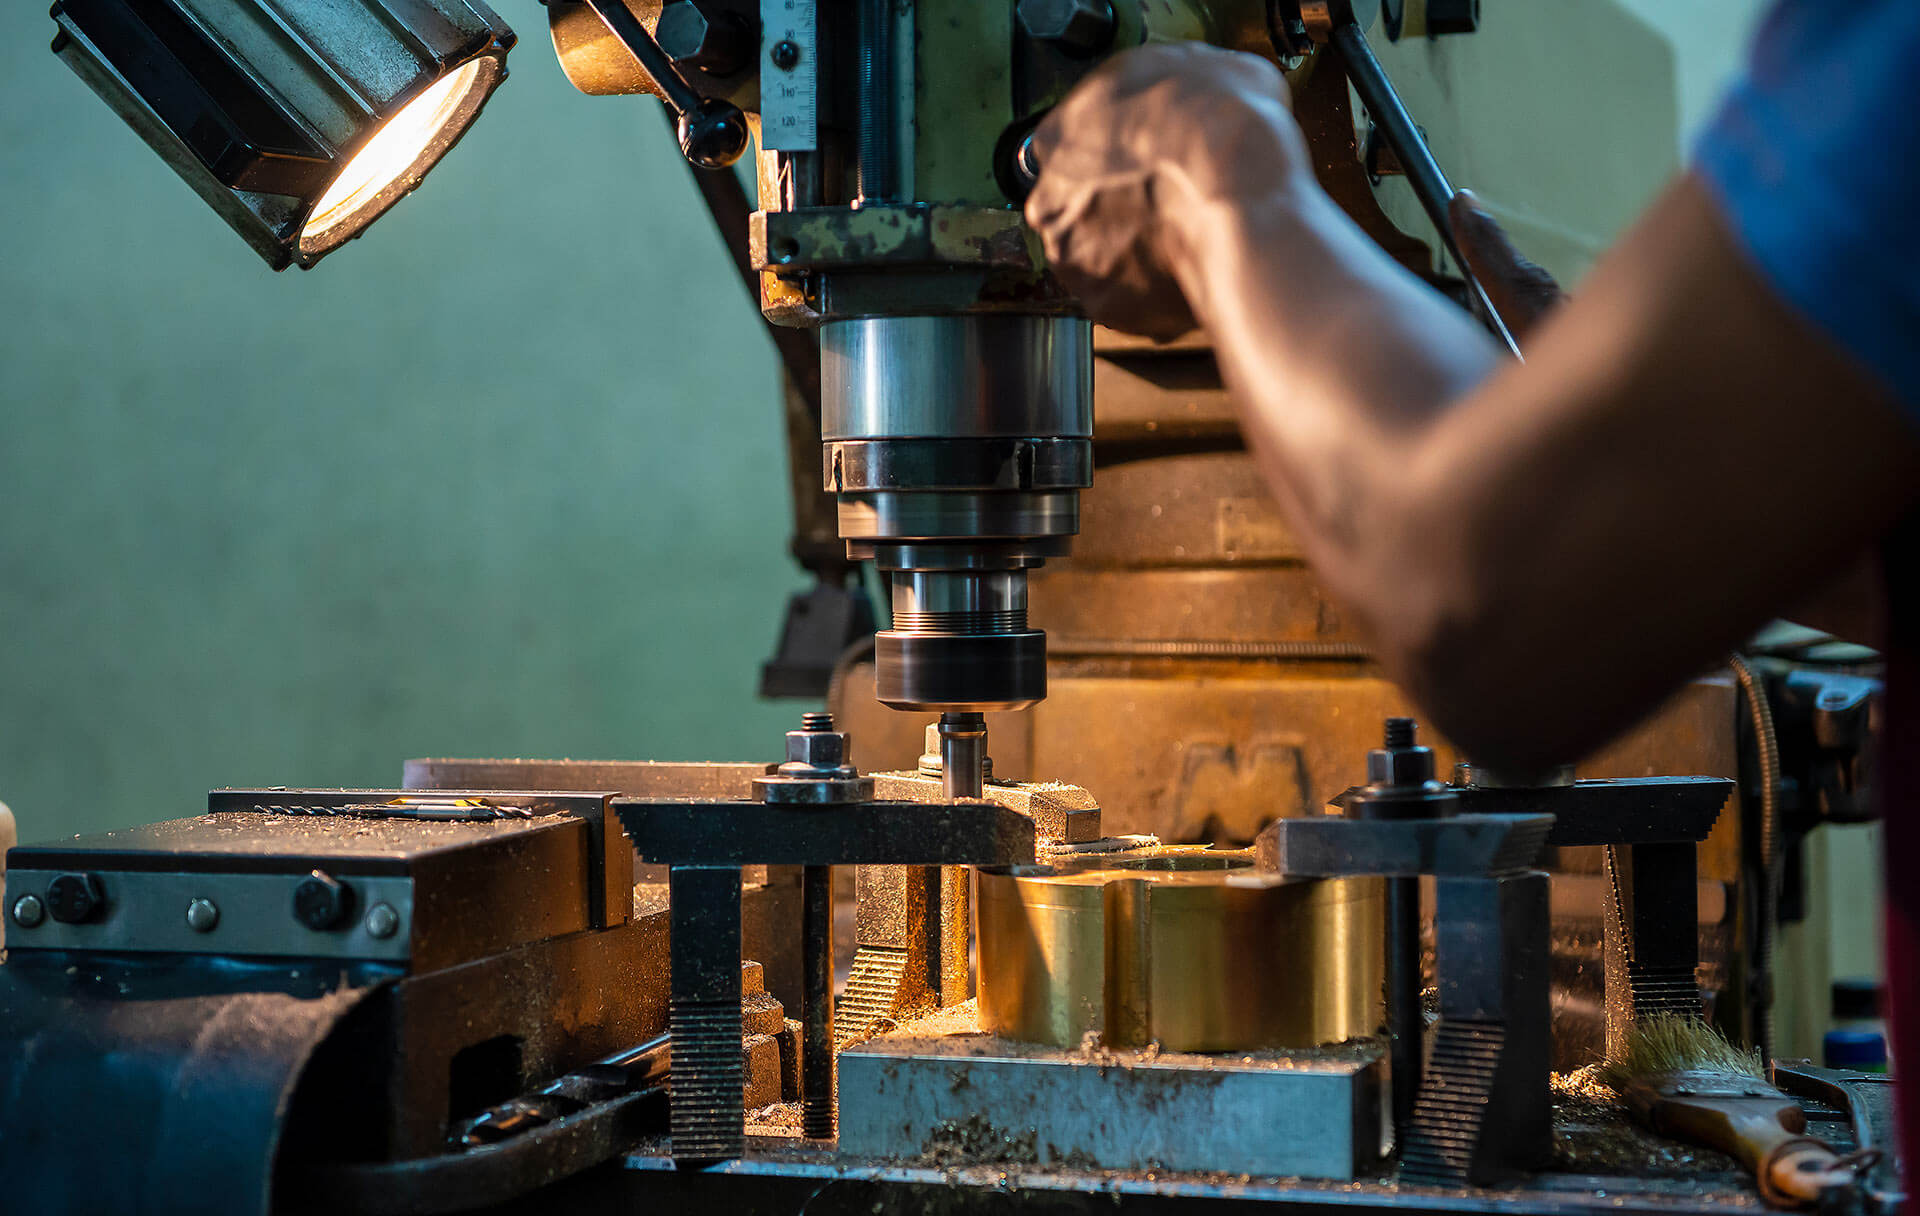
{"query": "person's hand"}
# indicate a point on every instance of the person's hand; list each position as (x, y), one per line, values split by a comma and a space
(1140, 148)
(1130, 161)
(1521, 291)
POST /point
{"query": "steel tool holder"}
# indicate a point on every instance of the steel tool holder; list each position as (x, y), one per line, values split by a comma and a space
(1483, 1109)
(705, 842)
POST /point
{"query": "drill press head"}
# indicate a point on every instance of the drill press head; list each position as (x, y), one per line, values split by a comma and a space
(958, 446)
(955, 378)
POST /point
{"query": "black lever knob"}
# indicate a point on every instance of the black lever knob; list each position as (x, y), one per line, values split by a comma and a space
(713, 131)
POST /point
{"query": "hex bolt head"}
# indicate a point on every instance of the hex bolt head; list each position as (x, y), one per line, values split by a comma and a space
(202, 915)
(322, 902)
(1080, 28)
(1401, 762)
(822, 749)
(75, 898)
(28, 911)
(382, 921)
(1400, 767)
(699, 34)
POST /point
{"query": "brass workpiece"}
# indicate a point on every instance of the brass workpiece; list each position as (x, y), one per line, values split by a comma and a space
(1189, 948)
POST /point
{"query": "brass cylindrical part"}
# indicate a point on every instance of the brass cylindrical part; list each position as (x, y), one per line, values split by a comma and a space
(1207, 960)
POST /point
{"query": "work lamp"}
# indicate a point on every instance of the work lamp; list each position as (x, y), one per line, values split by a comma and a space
(299, 122)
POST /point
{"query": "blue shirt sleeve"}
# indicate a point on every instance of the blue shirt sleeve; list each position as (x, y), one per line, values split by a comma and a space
(1815, 158)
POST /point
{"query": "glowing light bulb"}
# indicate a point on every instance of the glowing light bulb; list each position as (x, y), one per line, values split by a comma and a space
(399, 153)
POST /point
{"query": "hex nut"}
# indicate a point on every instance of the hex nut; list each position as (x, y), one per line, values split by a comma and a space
(822, 749)
(697, 34)
(29, 912)
(382, 921)
(1076, 27)
(1399, 766)
(202, 915)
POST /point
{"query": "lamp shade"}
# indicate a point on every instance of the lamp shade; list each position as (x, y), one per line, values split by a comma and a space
(298, 122)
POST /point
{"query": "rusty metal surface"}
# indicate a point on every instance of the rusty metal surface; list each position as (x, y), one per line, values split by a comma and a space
(951, 1098)
(1193, 750)
(897, 234)
(1181, 509)
(1061, 814)
(1211, 755)
(774, 1181)
(912, 927)
(1209, 603)
(1158, 396)
(634, 778)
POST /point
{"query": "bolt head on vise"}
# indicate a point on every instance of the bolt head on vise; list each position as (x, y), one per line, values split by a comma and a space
(818, 771)
(1400, 780)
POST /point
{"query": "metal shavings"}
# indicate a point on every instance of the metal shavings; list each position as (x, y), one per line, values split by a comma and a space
(1106, 844)
(780, 1119)
(974, 1141)
(1594, 1134)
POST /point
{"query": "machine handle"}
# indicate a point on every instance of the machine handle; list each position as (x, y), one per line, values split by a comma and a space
(1429, 181)
(713, 132)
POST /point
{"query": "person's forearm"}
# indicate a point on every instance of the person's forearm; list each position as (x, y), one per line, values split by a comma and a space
(1341, 362)
(1308, 313)
(1539, 551)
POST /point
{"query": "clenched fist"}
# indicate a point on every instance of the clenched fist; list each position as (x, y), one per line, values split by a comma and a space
(1135, 158)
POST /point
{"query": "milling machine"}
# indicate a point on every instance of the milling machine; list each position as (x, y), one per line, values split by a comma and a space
(1260, 951)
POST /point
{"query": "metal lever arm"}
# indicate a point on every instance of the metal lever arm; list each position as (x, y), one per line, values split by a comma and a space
(713, 132)
(1429, 181)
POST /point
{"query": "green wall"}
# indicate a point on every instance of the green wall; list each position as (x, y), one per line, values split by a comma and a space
(504, 477)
